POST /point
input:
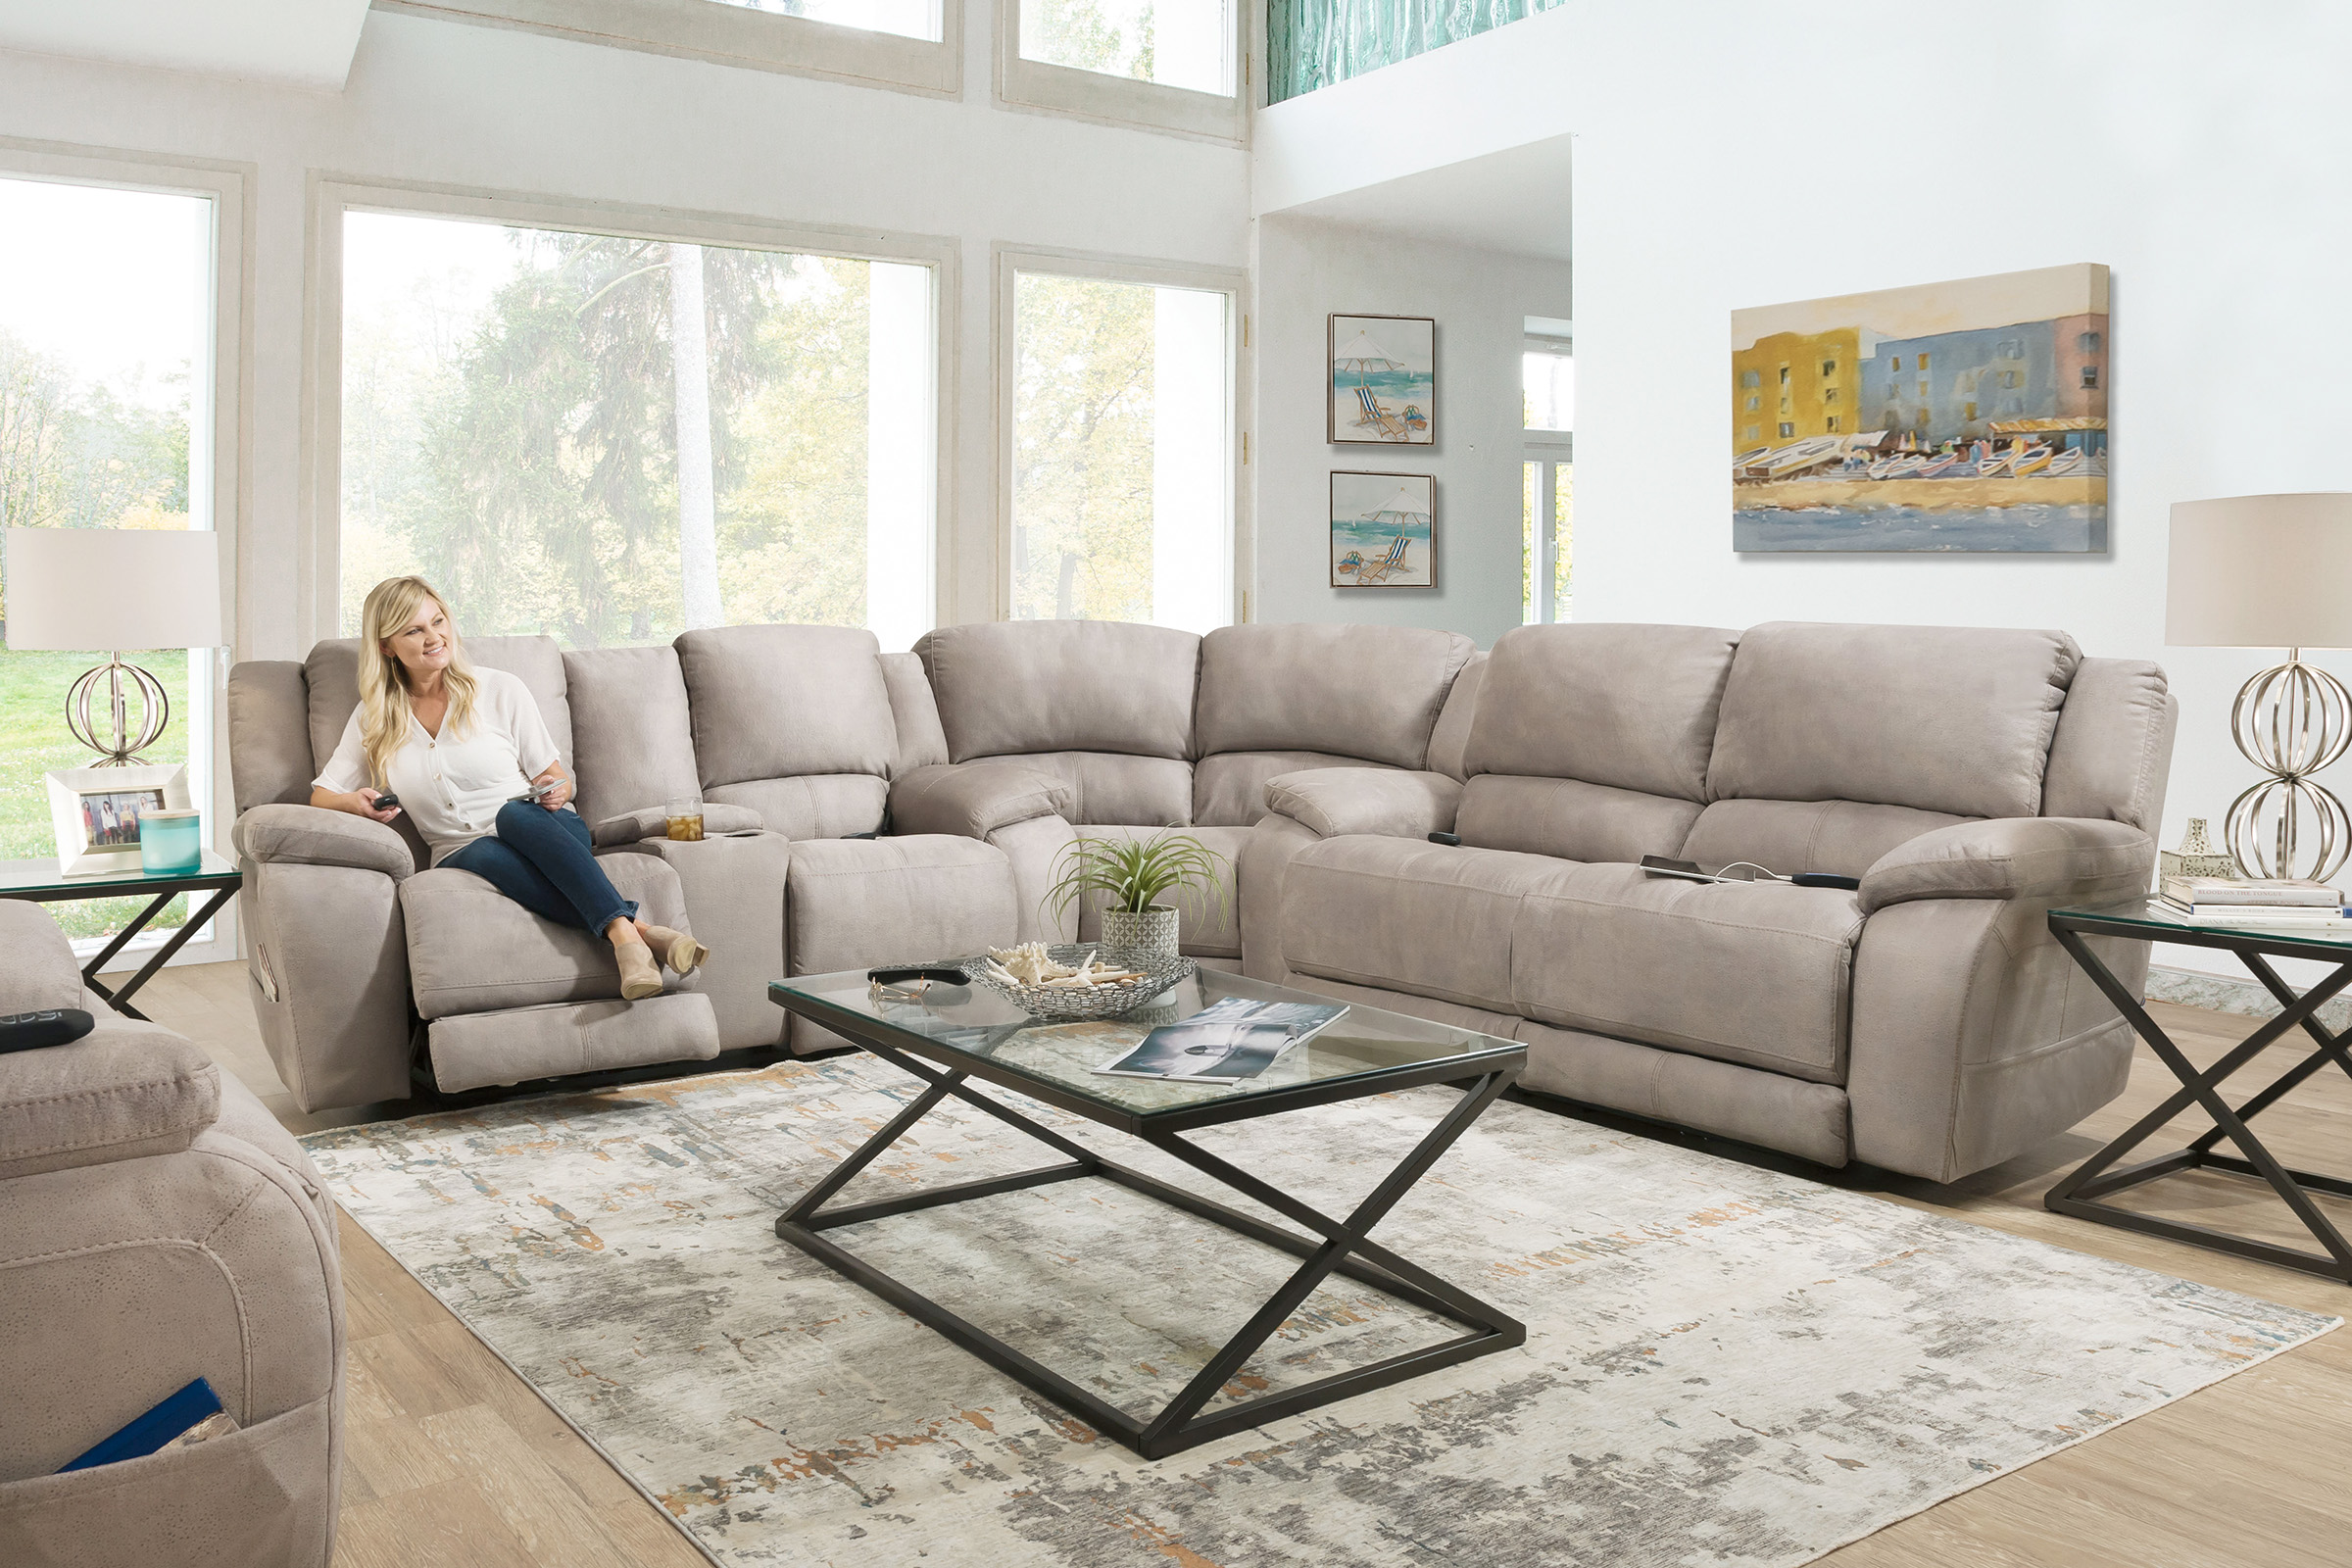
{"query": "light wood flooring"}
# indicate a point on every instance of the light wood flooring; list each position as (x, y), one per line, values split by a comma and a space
(453, 1461)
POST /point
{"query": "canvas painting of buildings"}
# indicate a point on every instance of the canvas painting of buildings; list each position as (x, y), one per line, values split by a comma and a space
(1969, 415)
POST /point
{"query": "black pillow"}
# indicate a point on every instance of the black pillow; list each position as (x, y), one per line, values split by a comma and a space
(29, 1031)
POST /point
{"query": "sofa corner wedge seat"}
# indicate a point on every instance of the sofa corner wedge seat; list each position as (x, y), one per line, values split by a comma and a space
(157, 1225)
(1926, 1023)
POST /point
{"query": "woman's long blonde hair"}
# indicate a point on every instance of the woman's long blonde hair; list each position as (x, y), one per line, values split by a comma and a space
(384, 711)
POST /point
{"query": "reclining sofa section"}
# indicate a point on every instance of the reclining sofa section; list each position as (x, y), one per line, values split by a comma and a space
(1926, 1023)
(1971, 779)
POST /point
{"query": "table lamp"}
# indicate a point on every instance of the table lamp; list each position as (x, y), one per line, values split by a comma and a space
(114, 588)
(2273, 571)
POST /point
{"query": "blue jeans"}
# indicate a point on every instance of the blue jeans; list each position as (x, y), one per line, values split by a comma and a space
(540, 859)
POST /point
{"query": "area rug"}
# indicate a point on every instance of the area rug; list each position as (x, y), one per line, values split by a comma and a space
(1723, 1365)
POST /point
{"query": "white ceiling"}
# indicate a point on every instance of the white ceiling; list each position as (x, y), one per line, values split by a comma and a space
(307, 43)
(1514, 201)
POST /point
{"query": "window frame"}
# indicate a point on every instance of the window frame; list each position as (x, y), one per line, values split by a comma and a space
(1548, 451)
(319, 541)
(1008, 263)
(1038, 86)
(730, 35)
(227, 186)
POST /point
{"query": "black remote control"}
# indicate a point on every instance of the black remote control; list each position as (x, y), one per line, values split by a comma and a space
(386, 801)
(1444, 838)
(30, 1031)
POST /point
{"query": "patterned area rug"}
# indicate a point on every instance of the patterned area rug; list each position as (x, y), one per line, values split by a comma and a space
(1723, 1365)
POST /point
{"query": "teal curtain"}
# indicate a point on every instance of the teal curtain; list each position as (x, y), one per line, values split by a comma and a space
(1315, 43)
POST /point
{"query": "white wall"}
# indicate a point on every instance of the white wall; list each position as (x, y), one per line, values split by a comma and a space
(1306, 269)
(513, 112)
(1728, 155)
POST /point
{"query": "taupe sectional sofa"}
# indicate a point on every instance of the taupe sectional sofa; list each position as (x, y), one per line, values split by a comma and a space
(1926, 1023)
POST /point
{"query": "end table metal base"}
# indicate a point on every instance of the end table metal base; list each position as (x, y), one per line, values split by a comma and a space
(2080, 1195)
(1343, 1248)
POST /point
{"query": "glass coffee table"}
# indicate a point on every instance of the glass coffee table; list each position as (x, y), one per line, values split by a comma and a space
(954, 1037)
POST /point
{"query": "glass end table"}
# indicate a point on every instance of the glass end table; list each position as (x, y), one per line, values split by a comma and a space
(952, 1037)
(2082, 1193)
(41, 882)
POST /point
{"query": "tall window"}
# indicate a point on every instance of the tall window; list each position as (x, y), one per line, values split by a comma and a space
(1547, 375)
(1122, 463)
(105, 373)
(609, 440)
(1175, 43)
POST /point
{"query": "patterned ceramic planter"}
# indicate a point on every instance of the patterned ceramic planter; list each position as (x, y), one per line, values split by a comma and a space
(1151, 931)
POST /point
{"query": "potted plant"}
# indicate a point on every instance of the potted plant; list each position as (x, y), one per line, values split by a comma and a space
(1129, 875)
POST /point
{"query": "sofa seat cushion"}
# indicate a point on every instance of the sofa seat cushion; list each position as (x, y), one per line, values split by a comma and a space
(472, 949)
(1842, 837)
(1404, 914)
(1205, 928)
(1758, 973)
(850, 903)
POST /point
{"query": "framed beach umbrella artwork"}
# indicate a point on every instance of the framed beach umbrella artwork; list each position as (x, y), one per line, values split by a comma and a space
(1383, 380)
(1384, 531)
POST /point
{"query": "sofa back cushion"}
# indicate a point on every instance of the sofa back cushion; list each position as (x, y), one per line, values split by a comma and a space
(1010, 687)
(781, 702)
(1939, 718)
(1450, 740)
(269, 734)
(2113, 751)
(1229, 789)
(331, 676)
(1372, 692)
(1631, 708)
(915, 711)
(632, 727)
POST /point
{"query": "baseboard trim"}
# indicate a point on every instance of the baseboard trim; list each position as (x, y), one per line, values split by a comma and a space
(2220, 992)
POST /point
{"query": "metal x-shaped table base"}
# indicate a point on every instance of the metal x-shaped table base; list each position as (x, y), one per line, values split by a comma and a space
(2079, 1193)
(1343, 1247)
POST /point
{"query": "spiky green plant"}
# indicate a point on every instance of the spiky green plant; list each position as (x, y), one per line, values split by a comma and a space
(1132, 874)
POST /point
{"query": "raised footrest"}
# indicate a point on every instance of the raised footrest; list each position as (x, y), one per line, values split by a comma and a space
(479, 1049)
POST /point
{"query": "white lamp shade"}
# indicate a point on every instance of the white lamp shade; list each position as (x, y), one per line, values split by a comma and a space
(113, 588)
(2261, 571)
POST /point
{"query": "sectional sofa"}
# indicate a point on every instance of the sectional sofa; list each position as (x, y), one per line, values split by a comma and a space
(869, 808)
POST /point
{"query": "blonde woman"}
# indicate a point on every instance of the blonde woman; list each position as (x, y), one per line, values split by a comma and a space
(469, 757)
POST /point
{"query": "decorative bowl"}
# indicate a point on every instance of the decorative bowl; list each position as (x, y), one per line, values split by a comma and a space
(1095, 1001)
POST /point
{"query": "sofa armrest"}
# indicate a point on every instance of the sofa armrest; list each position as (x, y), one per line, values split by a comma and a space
(1383, 801)
(653, 822)
(124, 1090)
(2060, 858)
(312, 835)
(972, 799)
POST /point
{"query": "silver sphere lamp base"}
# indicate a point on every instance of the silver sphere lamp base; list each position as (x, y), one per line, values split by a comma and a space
(2290, 721)
(117, 745)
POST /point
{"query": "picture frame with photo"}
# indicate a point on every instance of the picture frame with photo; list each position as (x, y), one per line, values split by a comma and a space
(1380, 380)
(94, 813)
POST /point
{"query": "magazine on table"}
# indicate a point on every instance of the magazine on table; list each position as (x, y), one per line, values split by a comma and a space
(1225, 1042)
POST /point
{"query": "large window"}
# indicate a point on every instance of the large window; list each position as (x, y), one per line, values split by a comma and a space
(611, 439)
(910, 44)
(1547, 487)
(1121, 451)
(1170, 64)
(106, 384)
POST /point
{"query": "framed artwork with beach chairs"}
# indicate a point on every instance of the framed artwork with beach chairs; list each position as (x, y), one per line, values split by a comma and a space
(1384, 531)
(1383, 380)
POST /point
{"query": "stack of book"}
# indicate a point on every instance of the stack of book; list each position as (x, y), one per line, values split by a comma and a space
(2248, 900)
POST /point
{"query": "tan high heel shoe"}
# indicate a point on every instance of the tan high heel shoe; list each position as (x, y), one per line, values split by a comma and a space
(678, 950)
(640, 976)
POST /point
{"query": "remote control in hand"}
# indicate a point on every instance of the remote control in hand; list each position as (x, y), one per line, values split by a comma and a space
(386, 801)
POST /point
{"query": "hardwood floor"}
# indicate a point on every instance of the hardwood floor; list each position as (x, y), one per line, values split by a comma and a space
(452, 1459)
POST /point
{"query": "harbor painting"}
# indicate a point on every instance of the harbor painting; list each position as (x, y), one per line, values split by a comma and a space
(1384, 531)
(1969, 415)
(1383, 380)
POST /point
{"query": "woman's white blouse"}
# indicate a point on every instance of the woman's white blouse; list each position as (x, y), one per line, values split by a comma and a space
(452, 785)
